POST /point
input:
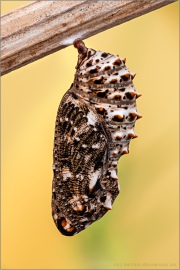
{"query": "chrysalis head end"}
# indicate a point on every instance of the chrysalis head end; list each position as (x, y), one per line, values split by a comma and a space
(79, 44)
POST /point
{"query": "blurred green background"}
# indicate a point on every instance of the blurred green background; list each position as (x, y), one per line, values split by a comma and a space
(142, 229)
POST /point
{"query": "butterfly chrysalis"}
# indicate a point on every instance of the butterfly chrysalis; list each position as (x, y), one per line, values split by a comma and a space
(94, 126)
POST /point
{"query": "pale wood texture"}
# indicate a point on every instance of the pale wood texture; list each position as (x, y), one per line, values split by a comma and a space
(43, 27)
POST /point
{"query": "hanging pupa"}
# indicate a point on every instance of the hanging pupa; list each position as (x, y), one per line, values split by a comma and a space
(94, 126)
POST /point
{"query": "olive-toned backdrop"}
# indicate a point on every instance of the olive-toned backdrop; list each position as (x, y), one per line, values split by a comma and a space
(142, 229)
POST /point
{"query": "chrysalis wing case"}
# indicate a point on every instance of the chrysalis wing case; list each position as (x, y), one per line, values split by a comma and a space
(94, 126)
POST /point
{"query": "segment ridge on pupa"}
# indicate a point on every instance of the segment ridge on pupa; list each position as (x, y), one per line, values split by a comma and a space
(94, 126)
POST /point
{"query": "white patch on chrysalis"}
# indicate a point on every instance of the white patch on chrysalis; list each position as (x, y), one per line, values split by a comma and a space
(84, 219)
(84, 145)
(68, 224)
(76, 204)
(91, 118)
(118, 134)
(93, 179)
(66, 173)
(108, 204)
(114, 163)
(118, 186)
(114, 175)
(96, 146)
(115, 151)
(85, 198)
(55, 216)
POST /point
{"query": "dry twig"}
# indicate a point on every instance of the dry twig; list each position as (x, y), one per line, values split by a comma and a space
(43, 27)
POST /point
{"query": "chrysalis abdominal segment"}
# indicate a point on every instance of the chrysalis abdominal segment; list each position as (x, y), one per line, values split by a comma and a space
(94, 126)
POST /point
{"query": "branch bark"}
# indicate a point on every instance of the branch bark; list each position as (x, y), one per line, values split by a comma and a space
(43, 27)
